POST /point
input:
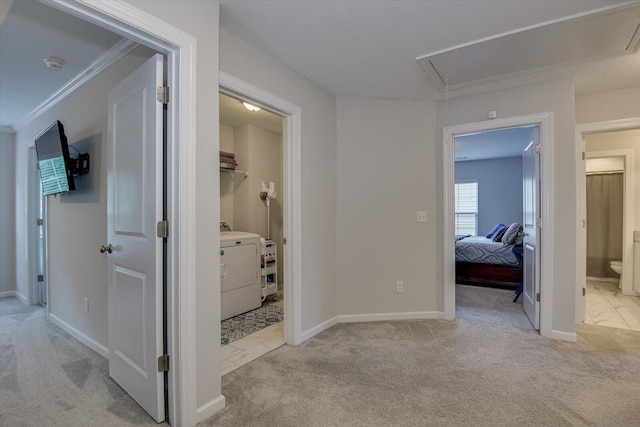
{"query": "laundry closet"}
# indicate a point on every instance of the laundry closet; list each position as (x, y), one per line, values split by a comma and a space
(251, 207)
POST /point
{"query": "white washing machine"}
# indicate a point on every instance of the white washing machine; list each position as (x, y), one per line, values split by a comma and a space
(239, 272)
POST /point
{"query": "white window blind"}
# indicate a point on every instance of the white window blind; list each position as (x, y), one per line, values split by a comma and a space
(466, 207)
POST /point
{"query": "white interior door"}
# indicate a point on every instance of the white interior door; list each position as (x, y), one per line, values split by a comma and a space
(134, 205)
(531, 209)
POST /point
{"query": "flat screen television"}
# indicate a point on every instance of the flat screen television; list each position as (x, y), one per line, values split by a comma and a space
(54, 163)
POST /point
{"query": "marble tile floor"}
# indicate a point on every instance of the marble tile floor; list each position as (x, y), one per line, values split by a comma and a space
(607, 306)
(251, 347)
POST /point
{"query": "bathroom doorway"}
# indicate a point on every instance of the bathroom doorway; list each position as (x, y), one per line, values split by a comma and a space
(608, 208)
(604, 197)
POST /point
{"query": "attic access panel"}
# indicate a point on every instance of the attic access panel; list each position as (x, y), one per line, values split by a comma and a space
(572, 41)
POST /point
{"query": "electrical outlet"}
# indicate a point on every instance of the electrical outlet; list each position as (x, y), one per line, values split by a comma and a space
(421, 216)
(86, 305)
(399, 286)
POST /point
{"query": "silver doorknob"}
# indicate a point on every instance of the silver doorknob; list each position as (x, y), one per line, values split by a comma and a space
(107, 248)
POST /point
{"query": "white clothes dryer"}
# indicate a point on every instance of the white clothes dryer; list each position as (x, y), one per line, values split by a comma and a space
(239, 273)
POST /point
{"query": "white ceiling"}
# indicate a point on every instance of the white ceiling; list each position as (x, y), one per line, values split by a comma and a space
(559, 44)
(368, 49)
(356, 48)
(233, 113)
(493, 144)
(30, 32)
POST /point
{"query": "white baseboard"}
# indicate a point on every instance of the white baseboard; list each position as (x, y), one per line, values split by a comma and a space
(89, 342)
(7, 294)
(379, 317)
(319, 328)
(374, 317)
(603, 279)
(563, 336)
(210, 408)
(20, 297)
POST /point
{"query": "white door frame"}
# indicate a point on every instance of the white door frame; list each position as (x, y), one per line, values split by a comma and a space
(292, 178)
(33, 248)
(545, 120)
(582, 131)
(180, 48)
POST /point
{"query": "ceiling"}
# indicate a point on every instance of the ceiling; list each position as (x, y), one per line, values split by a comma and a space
(233, 113)
(356, 48)
(30, 32)
(368, 49)
(495, 144)
(558, 44)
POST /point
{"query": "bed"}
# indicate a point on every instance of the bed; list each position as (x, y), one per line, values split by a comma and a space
(482, 262)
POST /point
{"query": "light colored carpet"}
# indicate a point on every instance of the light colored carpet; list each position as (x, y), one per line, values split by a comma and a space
(490, 305)
(47, 378)
(489, 368)
(477, 371)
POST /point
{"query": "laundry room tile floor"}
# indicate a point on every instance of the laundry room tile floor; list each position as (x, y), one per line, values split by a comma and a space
(607, 306)
(251, 347)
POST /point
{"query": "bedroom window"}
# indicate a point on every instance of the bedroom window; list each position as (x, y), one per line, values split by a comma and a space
(466, 207)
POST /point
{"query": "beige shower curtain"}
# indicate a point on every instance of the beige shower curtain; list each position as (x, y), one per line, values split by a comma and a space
(604, 223)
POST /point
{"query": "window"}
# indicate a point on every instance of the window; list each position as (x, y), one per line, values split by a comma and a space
(466, 206)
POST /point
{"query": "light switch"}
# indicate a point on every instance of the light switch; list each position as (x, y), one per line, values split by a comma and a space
(421, 216)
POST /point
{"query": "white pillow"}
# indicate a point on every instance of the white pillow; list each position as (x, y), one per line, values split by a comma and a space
(512, 233)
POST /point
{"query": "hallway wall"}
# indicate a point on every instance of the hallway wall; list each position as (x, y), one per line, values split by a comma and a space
(76, 221)
(7, 214)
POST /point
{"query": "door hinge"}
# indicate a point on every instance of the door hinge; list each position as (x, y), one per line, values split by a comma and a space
(39, 221)
(537, 296)
(584, 292)
(40, 278)
(162, 93)
(163, 363)
(584, 223)
(284, 240)
(538, 148)
(584, 155)
(539, 222)
(162, 229)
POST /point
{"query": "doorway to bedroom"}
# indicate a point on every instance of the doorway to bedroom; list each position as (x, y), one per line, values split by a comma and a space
(537, 202)
(488, 216)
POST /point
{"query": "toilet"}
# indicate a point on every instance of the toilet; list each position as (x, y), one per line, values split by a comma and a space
(616, 265)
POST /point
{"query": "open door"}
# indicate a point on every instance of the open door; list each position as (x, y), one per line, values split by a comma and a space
(531, 209)
(135, 266)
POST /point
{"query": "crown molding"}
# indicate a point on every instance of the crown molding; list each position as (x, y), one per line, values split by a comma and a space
(7, 129)
(110, 57)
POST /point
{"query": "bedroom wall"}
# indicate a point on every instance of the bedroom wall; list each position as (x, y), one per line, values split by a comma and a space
(7, 215)
(557, 97)
(499, 189)
(318, 166)
(76, 222)
(386, 172)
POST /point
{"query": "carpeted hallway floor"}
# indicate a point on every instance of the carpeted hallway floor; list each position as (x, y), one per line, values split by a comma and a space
(489, 368)
(47, 378)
